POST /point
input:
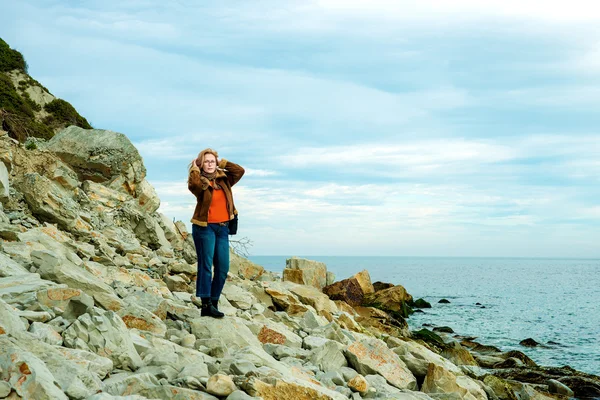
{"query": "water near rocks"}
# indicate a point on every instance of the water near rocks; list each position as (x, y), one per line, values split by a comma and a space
(554, 301)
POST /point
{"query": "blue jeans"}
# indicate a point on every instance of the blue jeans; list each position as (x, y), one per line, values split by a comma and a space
(212, 246)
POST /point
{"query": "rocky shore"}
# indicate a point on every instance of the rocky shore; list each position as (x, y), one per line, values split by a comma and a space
(95, 303)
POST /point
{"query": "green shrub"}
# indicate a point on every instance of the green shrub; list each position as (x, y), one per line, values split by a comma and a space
(11, 59)
(10, 100)
(64, 114)
(34, 106)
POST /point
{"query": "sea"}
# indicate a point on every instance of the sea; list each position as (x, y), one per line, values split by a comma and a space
(500, 301)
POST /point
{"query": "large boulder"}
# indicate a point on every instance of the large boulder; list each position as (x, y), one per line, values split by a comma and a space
(8, 267)
(53, 267)
(313, 297)
(232, 330)
(51, 201)
(27, 374)
(105, 334)
(372, 356)
(440, 380)
(72, 302)
(394, 300)
(364, 280)
(348, 290)
(99, 155)
(417, 357)
(78, 373)
(305, 272)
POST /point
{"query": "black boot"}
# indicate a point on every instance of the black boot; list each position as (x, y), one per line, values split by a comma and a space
(209, 310)
(215, 304)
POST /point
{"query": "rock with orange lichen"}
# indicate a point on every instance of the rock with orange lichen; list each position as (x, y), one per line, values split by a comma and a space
(291, 388)
(72, 302)
(358, 384)
(372, 356)
(137, 317)
(29, 376)
(267, 335)
(53, 267)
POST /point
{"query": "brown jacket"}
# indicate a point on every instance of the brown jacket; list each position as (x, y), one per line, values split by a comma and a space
(228, 175)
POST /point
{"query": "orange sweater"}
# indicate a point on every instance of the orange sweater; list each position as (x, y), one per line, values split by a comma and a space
(218, 208)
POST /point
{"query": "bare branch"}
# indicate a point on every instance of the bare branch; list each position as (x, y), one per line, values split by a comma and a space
(240, 246)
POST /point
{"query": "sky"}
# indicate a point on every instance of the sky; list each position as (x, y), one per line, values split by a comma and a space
(374, 128)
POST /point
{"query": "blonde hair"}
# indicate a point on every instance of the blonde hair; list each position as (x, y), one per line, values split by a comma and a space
(202, 156)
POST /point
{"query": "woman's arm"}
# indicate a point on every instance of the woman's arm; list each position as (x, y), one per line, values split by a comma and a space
(234, 172)
(195, 183)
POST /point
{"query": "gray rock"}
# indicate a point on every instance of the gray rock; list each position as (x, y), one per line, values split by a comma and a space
(220, 385)
(10, 323)
(198, 371)
(46, 333)
(239, 395)
(4, 186)
(348, 373)
(370, 356)
(305, 272)
(128, 383)
(160, 372)
(36, 316)
(333, 376)
(238, 297)
(15, 285)
(49, 200)
(30, 375)
(330, 278)
(242, 367)
(5, 389)
(148, 231)
(329, 357)
(557, 387)
(168, 392)
(106, 396)
(53, 267)
(312, 342)
(136, 316)
(8, 267)
(382, 388)
(71, 302)
(98, 155)
(280, 351)
(343, 390)
(231, 330)
(104, 333)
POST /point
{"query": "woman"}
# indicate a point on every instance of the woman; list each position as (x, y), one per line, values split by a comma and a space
(210, 180)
